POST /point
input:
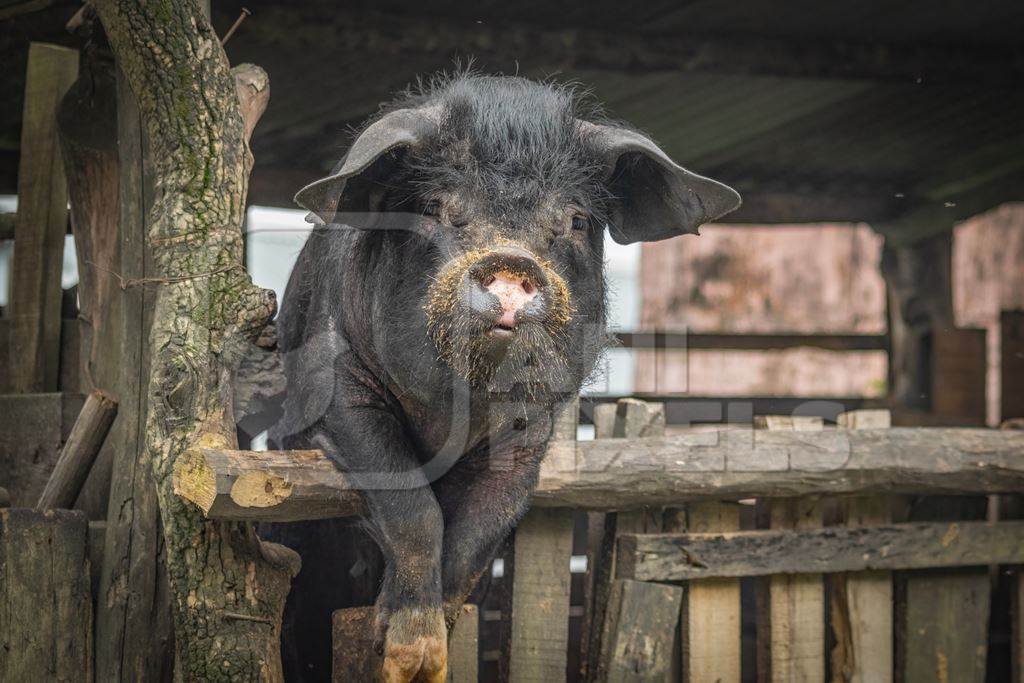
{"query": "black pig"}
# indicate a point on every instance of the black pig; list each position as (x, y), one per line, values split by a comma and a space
(450, 298)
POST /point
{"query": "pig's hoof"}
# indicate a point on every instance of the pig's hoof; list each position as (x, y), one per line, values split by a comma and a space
(416, 647)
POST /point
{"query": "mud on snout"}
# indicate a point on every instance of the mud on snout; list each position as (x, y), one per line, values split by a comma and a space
(499, 315)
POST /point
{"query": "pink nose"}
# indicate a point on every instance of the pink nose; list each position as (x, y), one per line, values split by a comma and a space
(513, 292)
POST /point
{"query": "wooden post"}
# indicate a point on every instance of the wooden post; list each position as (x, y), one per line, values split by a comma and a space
(1011, 365)
(712, 652)
(132, 639)
(46, 613)
(541, 581)
(959, 365)
(796, 603)
(920, 298)
(78, 453)
(41, 223)
(862, 603)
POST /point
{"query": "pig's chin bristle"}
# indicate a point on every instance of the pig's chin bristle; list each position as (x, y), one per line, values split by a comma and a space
(465, 343)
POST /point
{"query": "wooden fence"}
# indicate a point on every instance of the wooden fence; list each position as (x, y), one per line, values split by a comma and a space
(846, 579)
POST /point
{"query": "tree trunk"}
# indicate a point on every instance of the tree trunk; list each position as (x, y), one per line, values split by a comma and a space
(227, 588)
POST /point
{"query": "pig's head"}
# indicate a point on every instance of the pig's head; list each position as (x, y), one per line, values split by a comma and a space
(502, 189)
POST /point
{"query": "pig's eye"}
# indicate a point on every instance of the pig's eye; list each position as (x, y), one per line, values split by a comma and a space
(579, 222)
(432, 208)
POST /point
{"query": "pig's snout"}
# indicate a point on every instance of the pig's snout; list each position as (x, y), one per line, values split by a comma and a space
(513, 293)
(507, 285)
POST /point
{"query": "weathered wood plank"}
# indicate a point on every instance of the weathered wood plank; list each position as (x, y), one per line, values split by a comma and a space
(638, 631)
(33, 428)
(464, 647)
(627, 418)
(541, 580)
(45, 602)
(634, 473)
(540, 597)
(943, 629)
(78, 453)
(910, 545)
(133, 622)
(354, 657)
(946, 621)
(862, 602)
(867, 605)
(713, 607)
(797, 604)
(41, 223)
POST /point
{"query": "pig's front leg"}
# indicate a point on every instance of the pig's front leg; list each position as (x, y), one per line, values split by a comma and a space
(406, 522)
(482, 500)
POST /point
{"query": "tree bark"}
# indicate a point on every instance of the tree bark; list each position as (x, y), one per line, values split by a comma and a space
(227, 588)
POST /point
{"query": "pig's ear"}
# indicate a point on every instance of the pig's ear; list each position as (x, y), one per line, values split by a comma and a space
(654, 198)
(349, 185)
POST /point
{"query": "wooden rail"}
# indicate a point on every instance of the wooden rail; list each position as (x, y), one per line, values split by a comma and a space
(609, 474)
(720, 341)
(682, 557)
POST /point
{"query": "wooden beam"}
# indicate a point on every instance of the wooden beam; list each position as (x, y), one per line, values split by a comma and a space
(78, 453)
(41, 223)
(910, 545)
(580, 49)
(609, 474)
(750, 342)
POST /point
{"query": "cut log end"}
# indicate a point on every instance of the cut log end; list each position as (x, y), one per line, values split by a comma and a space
(195, 481)
(259, 490)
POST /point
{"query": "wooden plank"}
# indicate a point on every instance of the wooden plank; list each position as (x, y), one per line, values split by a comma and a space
(713, 625)
(943, 629)
(45, 602)
(862, 603)
(464, 647)
(627, 418)
(540, 597)
(133, 622)
(41, 223)
(638, 631)
(908, 545)
(33, 428)
(78, 453)
(541, 579)
(1011, 365)
(797, 604)
(642, 473)
(947, 627)
(355, 659)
